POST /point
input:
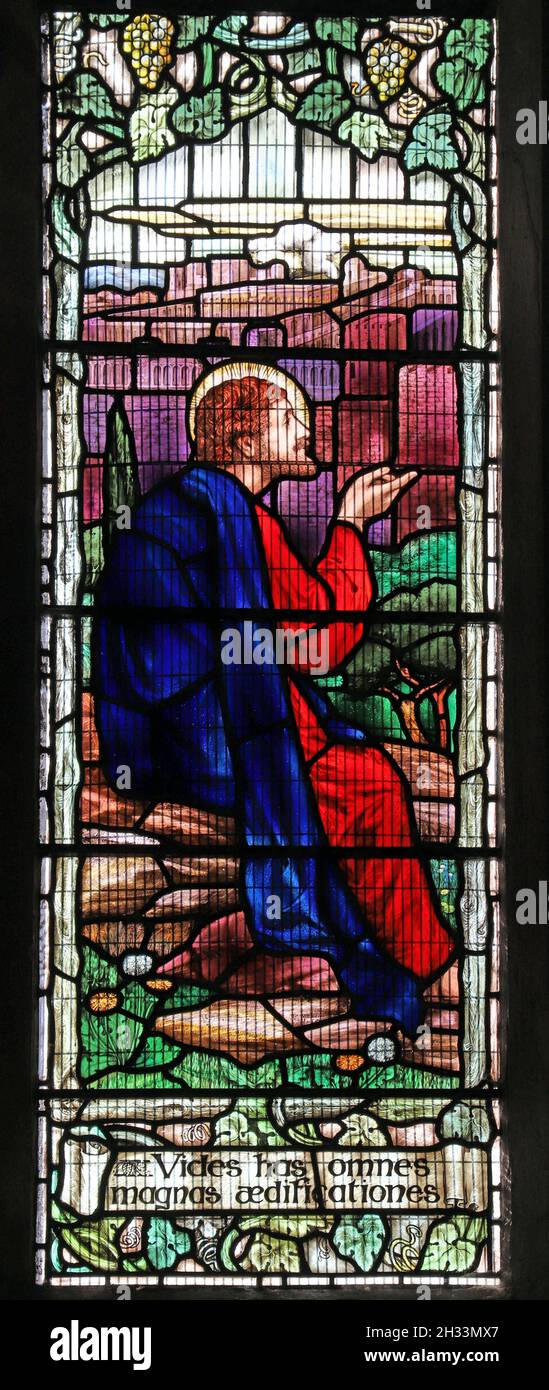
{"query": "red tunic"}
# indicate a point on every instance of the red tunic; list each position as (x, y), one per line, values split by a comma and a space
(362, 797)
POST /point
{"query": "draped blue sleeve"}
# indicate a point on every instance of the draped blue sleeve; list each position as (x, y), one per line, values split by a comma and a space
(156, 656)
(222, 736)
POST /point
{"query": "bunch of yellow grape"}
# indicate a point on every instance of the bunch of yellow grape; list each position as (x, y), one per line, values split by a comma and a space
(147, 43)
(387, 63)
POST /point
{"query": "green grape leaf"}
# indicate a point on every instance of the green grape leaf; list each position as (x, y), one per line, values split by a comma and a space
(431, 144)
(343, 32)
(453, 1247)
(149, 131)
(368, 132)
(165, 1244)
(461, 73)
(362, 1130)
(85, 95)
(107, 21)
(360, 1238)
(191, 28)
(232, 1130)
(324, 104)
(201, 116)
(302, 61)
(248, 1124)
(457, 80)
(470, 42)
(466, 1120)
(269, 1254)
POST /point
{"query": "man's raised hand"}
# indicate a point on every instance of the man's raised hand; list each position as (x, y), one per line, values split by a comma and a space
(372, 493)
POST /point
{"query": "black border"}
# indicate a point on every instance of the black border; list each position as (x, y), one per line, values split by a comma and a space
(525, 353)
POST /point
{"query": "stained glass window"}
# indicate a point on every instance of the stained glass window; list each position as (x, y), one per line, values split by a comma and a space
(270, 788)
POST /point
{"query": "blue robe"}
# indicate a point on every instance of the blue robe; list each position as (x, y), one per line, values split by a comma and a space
(223, 737)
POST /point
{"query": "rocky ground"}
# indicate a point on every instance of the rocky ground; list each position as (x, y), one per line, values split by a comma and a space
(170, 920)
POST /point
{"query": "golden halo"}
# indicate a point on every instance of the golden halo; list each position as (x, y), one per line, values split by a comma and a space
(235, 371)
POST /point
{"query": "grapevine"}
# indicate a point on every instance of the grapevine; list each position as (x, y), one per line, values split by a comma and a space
(147, 43)
(387, 63)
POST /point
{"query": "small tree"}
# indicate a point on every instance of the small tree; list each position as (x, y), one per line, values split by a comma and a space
(120, 472)
(397, 684)
(120, 489)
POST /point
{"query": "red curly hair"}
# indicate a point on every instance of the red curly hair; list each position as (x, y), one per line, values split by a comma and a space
(232, 411)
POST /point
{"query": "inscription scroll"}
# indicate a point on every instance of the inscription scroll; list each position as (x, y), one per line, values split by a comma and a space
(453, 1177)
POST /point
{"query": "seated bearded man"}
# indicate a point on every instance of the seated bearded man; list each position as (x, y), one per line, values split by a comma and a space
(203, 571)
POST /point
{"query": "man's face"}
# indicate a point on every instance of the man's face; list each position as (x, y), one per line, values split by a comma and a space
(285, 440)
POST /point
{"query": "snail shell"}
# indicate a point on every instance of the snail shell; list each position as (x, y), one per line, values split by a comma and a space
(130, 1236)
(206, 1249)
(194, 1134)
(409, 106)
